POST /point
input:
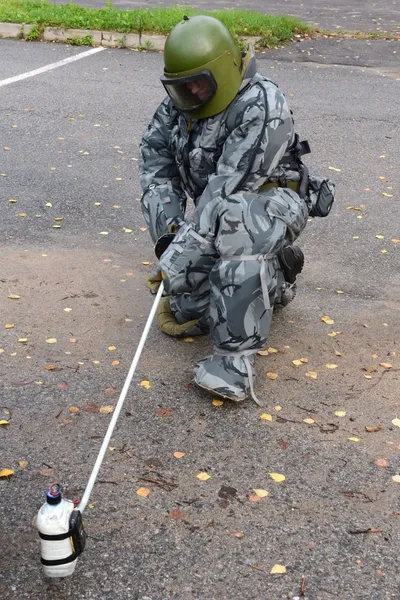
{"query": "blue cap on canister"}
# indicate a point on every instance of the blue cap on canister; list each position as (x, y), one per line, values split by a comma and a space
(54, 493)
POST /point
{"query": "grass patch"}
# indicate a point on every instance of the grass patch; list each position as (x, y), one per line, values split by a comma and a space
(273, 30)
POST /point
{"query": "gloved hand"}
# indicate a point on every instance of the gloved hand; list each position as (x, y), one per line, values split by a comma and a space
(153, 282)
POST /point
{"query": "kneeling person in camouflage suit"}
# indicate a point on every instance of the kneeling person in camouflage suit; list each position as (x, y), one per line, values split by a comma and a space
(224, 137)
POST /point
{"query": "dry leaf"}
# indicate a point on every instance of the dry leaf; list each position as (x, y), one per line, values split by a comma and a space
(254, 498)
(74, 409)
(143, 492)
(272, 375)
(107, 409)
(5, 473)
(278, 408)
(176, 514)
(23, 464)
(297, 362)
(385, 365)
(396, 478)
(261, 493)
(47, 472)
(280, 569)
(188, 339)
(327, 320)
(203, 476)
(374, 428)
(164, 412)
(340, 413)
(4, 423)
(308, 421)
(396, 422)
(238, 534)
(353, 439)
(115, 363)
(217, 402)
(22, 340)
(9, 326)
(277, 477)
(50, 367)
(146, 384)
(51, 341)
(112, 348)
(331, 366)
(266, 417)
(179, 454)
(92, 408)
(14, 297)
(312, 374)
(381, 462)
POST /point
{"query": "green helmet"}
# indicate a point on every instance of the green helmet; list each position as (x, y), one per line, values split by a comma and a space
(202, 66)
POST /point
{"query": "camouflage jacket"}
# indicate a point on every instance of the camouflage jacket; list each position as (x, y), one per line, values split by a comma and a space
(208, 159)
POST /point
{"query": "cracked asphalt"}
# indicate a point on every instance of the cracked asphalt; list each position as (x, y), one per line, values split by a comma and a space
(69, 147)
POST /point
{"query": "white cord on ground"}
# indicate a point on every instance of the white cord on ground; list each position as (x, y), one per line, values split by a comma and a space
(120, 403)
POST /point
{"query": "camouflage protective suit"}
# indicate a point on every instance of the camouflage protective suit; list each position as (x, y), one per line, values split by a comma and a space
(222, 270)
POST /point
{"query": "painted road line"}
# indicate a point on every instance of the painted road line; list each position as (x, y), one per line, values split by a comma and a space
(50, 67)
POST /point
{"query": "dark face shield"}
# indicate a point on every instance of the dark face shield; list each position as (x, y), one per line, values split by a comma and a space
(191, 92)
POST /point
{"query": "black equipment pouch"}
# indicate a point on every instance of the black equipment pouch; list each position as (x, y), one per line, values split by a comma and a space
(321, 194)
(78, 539)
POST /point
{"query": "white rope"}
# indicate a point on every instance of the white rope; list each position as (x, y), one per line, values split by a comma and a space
(106, 441)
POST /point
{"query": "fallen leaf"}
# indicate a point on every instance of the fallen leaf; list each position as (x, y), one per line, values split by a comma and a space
(339, 292)
(14, 297)
(266, 417)
(51, 341)
(74, 409)
(115, 363)
(164, 412)
(272, 375)
(176, 514)
(107, 409)
(297, 362)
(50, 367)
(112, 348)
(381, 462)
(387, 195)
(188, 339)
(327, 320)
(396, 241)
(22, 340)
(334, 169)
(91, 408)
(203, 476)
(385, 365)
(9, 326)
(23, 464)
(277, 477)
(261, 493)
(238, 534)
(281, 569)
(103, 233)
(331, 366)
(308, 421)
(143, 492)
(312, 374)
(396, 478)
(179, 454)
(254, 498)
(353, 439)
(396, 422)
(5, 473)
(146, 262)
(380, 237)
(67, 309)
(4, 423)
(217, 402)
(374, 428)
(146, 384)
(278, 408)
(110, 390)
(340, 413)
(47, 472)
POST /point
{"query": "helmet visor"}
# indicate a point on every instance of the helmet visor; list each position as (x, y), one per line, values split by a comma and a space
(190, 92)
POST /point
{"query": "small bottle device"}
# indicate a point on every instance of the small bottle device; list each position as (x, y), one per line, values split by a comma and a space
(62, 537)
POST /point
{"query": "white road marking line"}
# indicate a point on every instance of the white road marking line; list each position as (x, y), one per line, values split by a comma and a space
(50, 67)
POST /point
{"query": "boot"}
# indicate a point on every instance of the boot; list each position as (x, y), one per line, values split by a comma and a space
(229, 376)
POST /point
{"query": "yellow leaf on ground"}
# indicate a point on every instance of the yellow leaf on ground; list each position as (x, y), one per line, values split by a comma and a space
(327, 320)
(112, 348)
(6, 473)
(340, 413)
(278, 408)
(266, 417)
(23, 464)
(353, 439)
(67, 309)
(304, 360)
(238, 534)
(281, 569)
(14, 297)
(312, 374)
(334, 169)
(51, 341)
(331, 366)
(179, 454)
(9, 326)
(277, 477)
(387, 195)
(146, 262)
(115, 363)
(73, 410)
(396, 422)
(272, 375)
(261, 493)
(96, 362)
(297, 362)
(396, 478)
(106, 410)
(385, 365)
(339, 292)
(3, 423)
(374, 428)
(380, 237)
(188, 339)
(22, 340)
(308, 421)
(143, 492)
(217, 402)
(103, 233)
(272, 350)
(254, 498)
(203, 476)
(146, 384)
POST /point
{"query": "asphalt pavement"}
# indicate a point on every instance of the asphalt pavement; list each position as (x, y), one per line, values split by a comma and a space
(75, 250)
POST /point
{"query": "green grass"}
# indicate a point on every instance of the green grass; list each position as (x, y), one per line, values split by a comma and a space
(273, 30)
